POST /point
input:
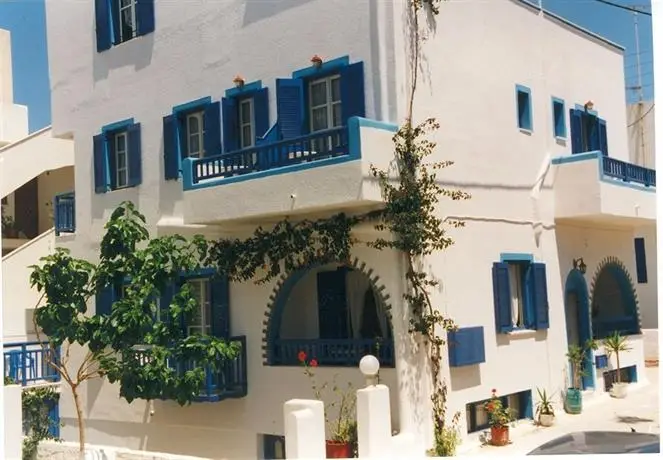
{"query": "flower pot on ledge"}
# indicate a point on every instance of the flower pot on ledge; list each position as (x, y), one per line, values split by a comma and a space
(338, 449)
(499, 435)
(546, 420)
(619, 390)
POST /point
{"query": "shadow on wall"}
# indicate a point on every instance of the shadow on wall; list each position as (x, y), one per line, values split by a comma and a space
(257, 10)
(136, 52)
(465, 377)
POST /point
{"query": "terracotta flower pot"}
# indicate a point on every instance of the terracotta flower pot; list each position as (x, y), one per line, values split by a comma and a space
(499, 435)
(337, 449)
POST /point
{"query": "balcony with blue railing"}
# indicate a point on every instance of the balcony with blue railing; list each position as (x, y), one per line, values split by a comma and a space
(331, 352)
(594, 187)
(227, 381)
(65, 213)
(28, 363)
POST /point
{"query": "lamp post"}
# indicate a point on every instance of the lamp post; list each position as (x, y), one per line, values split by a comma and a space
(370, 366)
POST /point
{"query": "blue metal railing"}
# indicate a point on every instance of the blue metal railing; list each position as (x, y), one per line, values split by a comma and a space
(332, 352)
(629, 172)
(65, 213)
(28, 362)
(319, 145)
(625, 325)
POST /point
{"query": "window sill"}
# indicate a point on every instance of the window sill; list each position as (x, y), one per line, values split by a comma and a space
(560, 140)
(529, 132)
(518, 333)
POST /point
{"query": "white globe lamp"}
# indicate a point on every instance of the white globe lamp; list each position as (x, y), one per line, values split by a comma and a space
(369, 366)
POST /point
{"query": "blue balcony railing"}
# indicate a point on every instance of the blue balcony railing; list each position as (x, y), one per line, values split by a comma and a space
(65, 213)
(628, 172)
(27, 363)
(320, 145)
(332, 352)
(228, 380)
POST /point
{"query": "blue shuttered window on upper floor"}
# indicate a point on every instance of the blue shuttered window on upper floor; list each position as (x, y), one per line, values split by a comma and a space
(117, 157)
(118, 21)
(320, 100)
(640, 260)
(245, 116)
(520, 296)
(588, 132)
(193, 130)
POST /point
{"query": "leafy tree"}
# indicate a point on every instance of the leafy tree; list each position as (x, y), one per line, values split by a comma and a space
(136, 345)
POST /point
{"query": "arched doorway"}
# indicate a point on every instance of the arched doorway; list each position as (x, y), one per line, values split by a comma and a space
(578, 325)
(335, 313)
(614, 305)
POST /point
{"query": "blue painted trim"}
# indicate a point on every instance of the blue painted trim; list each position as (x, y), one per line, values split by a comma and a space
(200, 273)
(558, 101)
(516, 257)
(354, 153)
(596, 154)
(581, 107)
(576, 283)
(245, 90)
(198, 103)
(327, 66)
(117, 126)
(525, 90)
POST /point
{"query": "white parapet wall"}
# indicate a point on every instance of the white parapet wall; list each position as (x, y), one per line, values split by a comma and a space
(13, 435)
(51, 450)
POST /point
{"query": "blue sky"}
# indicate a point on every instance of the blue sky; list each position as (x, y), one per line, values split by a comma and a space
(26, 21)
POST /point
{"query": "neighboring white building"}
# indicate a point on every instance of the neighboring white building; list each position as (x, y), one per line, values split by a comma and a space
(35, 171)
(150, 103)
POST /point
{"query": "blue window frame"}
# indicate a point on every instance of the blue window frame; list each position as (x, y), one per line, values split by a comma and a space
(191, 130)
(245, 116)
(589, 133)
(559, 118)
(117, 156)
(640, 260)
(520, 294)
(118, 21)
(520, 403)
(320, 98)
(524, 108)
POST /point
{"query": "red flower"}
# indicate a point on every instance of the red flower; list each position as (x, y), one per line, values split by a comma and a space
(490, 407)
(493, 391)
(313, 363)
(301, 356)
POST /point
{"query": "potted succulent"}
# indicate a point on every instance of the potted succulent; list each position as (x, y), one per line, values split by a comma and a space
(617, 344)
(343, 429)
(499, 418)
(576, 355)
(544, 409)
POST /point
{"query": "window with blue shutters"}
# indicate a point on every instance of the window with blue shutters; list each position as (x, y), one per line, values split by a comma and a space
(245, 116)
(524, 108)
(118, 21)
(520, 295)
(588, 132)
(559, 118)
(640, 260)
(193, 130)
(117, 157)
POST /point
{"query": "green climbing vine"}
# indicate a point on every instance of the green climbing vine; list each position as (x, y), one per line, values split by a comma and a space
(37, 425)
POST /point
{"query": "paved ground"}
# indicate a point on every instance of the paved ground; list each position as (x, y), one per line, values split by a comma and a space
(640, 410)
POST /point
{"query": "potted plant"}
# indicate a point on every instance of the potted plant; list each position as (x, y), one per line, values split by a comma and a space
(343, 429)
(576, 355)
(8, 226)
(617, 344)
(544, 409)
(499, 418)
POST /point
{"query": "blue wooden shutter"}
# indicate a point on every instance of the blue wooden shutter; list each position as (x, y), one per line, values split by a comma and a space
(102, 24)
(114, 6)
(352, 92)
(135, 162)
(104, 300)
(111, 164)
(594, 139)
(290, 107)
(529, 307)
(466, 346)
(144, 17)
(212, 127)
(525, 403)
(100, 166)
(230, 124)
(261, 111)
(541, 296)
(332, 305)
(502, 297)
(54, 417)
(603, 137)
(576, 131)
(640, 260)
(220, 306)
(171, 161)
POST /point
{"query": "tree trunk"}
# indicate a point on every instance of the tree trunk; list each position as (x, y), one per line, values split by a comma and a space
(81, 423)
(619, 373)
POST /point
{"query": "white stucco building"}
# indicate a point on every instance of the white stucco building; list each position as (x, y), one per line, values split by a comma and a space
(532, 111)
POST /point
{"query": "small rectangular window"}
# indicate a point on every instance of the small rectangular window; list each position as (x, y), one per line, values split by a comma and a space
(121, 163)
(127, 19)
(194, 134)
(524, 106)
(201, 322)
(559, 120)
(640, 260)
(246, 125)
